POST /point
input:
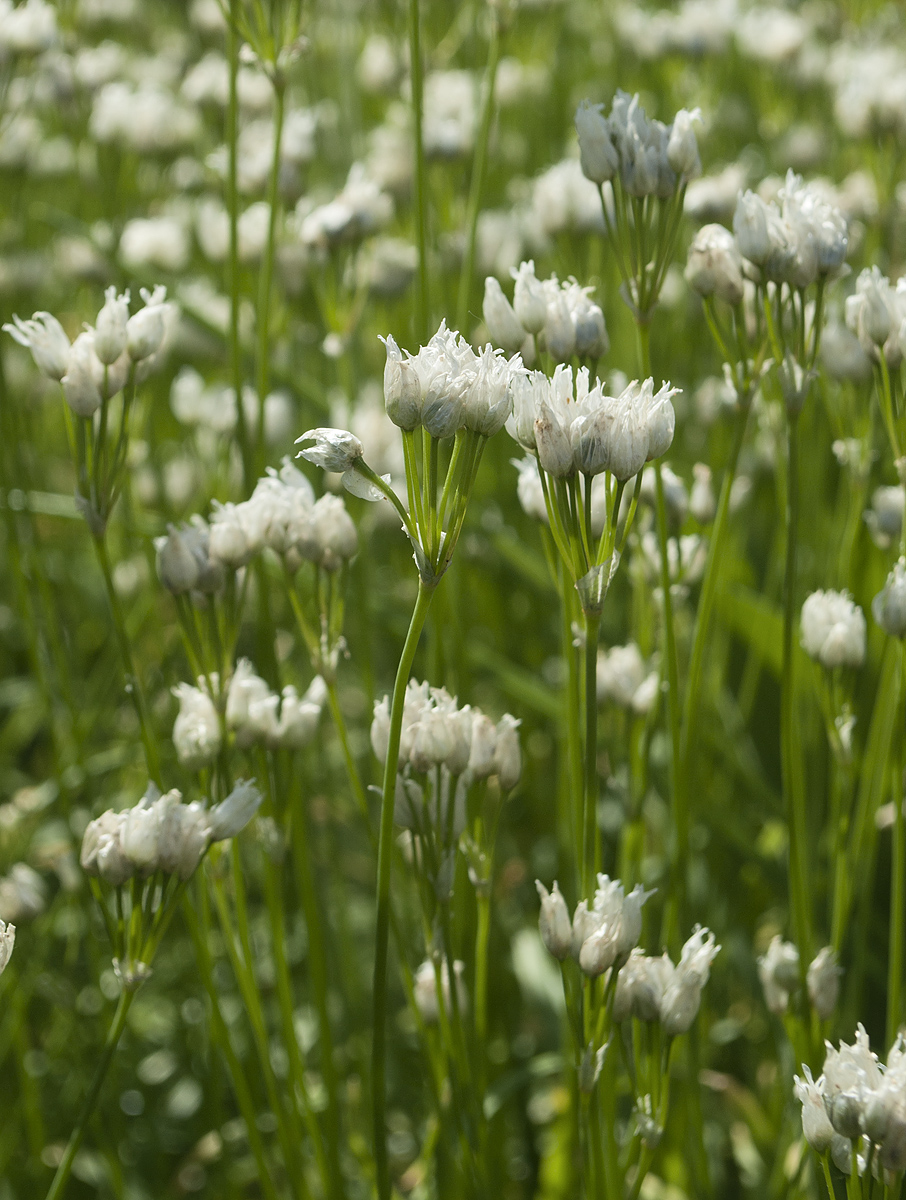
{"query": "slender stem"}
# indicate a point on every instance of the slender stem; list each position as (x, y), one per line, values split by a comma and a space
(133, 685)
(789, 740)
(265, 278)
(709, 589)
(590, 792)
(385, 856)
(114, 1034)
(422, 303)
(232, 201)
(355, 779)
(897, 898)
(479, 164)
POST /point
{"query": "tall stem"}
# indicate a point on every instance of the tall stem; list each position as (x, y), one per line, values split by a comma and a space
(590, 792)
(791, 770)
(420, 199)
(133, 685)
(114, 1034)
(265, 279)
(385, 856)
(232, 200)
(897, 899)
(479, 164)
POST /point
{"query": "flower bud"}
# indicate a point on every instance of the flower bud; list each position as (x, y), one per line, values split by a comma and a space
(889, 606)
(833, 629)
(110, 327)
(682, 147)
(598, 155)
(816, 1127)
(333, 449)
(502, 322)
(82, 381)
(750, 224)
(402, 391)
(196, 730)
(231, 815)
(145, 329)
(823, 979)
(177, 566)
(45, 337)
(554, 923)
(7, 941)
(714, 265)
(507, 753)
(529, 301)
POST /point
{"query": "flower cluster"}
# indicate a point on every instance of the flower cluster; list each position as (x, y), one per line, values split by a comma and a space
(857, 1096)
(649, 157)
(654, 989)
(562, 318)
(598, 936)
(101, 360)
(259, 716)
(876, 313)
(833, 629)
(436, 732)
(778, 970)
(282, 515)
(446, 386)
(160, 833)
(798, 241)
(582, 429)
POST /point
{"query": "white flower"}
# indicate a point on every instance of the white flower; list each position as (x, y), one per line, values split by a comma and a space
(333, 532)
(778, 971)
(333, 449)
(889, 606)
(45, 337)
(823, 980)
(299, 715)
(640, 987)
(597, 153)
(507, 753)
(682, 996)
(529, 300)
(402, 389)
(833, 629)
(503, 325)
(425, 987)
(7, 941)
(714, 266)
(682, 147)
(231, 815)
(554, 923)
(81, 383)
(196, 730)
(816, 1127)
(110, 326)
(145, 329)
(251, 706)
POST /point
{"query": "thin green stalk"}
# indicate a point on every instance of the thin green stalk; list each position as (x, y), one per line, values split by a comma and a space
(114, 1034)
(590, 850)
(133, 684)
(420, 198)
(265, 279)
(709, 591)
(897, 898)
(355, 779)
(385, 856)
(232, 204)
(479, 164)
(791, 771)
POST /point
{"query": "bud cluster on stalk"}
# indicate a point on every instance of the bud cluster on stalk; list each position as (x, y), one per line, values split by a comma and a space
(438, 733)
(603, 937)
(101, 360)
(646, 156)
(561, 319)
(778, 971)
(161, 834)
(857, 1101)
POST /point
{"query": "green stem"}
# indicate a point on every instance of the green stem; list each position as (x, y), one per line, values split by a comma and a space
(133, 685)
(114, 1034)
(791, 769)
(479, 164)
(265, 278)
(590, 854)
(897, 899)
(355, 779)
(232, 202)
(420, 199)
(385, 855)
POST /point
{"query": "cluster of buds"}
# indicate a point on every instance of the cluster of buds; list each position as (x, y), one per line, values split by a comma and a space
(7, 941)
(648, 157)
(545, 314)
(656, 989)
(856, 1097)
(832, 629)
(876, 313)
(184, 560)
(436, 732)
(102, 359)
(161, 834)
(799, 241)
(599, 936)
(624, 680)
(282, 515)
(583, 430)
(259, 716)
(889, 606)
(446, 386)
(778, 970)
